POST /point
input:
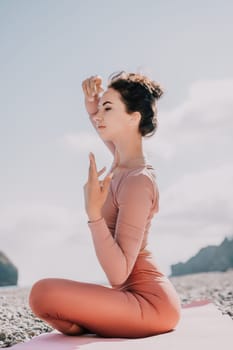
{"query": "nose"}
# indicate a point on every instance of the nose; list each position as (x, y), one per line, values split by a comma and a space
(98, 117)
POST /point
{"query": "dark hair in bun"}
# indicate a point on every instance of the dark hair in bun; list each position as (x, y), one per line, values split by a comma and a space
(139, 94)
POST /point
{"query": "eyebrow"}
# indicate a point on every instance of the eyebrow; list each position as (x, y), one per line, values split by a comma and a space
(106, 103)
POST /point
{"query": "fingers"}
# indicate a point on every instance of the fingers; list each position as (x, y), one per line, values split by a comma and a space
(92, 87)
(106, 182)
(87, 89)
(92, 167)
(100, 172)
(98, 84)
(93, 173)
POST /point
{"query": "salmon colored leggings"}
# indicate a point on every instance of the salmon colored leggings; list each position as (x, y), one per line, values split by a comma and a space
(75, 308)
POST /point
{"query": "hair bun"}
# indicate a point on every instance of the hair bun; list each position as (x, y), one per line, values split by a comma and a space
(157, 90)
(151, 86)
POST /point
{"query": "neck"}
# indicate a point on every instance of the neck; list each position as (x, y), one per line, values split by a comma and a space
(130, 153)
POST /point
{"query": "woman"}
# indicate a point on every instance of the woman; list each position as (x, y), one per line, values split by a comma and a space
(141, 300)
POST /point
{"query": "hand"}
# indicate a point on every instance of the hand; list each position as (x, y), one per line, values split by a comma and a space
(95, 191)
(92, 87)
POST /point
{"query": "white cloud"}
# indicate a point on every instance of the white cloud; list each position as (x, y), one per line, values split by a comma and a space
(205, 118)
(29, 218)
(192, 151)
(47, 241)
(194, 212)
(209, 187)
(82, 141)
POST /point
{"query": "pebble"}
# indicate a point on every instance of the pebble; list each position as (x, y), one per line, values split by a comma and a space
(214, 286)
(18, 323)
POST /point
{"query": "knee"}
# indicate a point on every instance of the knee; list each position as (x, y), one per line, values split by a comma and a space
(173, 318)
(39, 295)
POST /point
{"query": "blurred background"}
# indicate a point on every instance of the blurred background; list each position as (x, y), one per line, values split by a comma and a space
(47, 48)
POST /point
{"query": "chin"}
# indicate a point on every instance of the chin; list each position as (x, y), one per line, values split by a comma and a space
(105, 137)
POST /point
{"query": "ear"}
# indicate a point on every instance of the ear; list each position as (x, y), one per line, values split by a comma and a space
(135, 118)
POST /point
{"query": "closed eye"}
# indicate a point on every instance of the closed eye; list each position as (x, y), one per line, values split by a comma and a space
(107, 108)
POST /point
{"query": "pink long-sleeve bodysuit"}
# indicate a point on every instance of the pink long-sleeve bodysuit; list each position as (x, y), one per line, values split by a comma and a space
(141, 301)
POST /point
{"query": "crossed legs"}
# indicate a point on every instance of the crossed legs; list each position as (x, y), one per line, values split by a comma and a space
(74, 308)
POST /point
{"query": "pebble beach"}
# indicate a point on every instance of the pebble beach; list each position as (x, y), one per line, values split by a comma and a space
(18, 324)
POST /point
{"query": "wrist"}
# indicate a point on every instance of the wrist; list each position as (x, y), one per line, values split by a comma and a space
(94, 217)
(94, 221)
(92, 100)
(91, 107)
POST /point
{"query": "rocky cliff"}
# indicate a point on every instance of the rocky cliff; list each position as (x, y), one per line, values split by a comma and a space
(8, 272)
(210, 258)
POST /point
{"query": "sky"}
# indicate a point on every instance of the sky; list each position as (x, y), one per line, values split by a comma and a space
(47, 48)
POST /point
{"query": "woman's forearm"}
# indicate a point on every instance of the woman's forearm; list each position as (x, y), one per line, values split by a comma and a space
(110, 255)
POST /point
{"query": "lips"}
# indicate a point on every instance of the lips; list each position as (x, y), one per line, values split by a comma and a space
(101, 127)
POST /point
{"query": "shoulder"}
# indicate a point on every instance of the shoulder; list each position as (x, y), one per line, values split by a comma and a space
(143, 175)
(139, 182)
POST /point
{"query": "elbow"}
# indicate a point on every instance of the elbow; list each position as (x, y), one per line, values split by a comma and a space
(118, 280)
(121, 274)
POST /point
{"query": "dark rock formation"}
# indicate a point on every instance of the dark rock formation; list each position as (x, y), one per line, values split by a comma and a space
(210, 258)
(8, 272)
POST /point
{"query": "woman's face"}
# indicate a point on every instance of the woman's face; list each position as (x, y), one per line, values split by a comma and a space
(112, 120)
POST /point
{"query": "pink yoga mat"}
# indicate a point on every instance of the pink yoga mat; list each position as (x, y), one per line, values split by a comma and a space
(202, 326)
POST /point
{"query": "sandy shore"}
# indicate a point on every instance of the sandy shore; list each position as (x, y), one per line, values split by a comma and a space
(17, 323)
